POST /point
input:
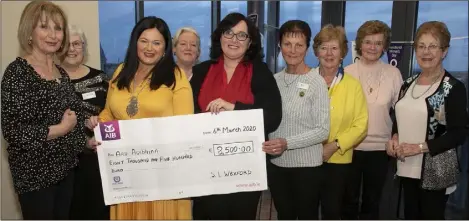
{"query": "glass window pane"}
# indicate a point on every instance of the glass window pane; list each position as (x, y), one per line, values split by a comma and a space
(233, 6)
(355, 16)
(177, 15)
(116, 21)
(308, 11)
(456, 18)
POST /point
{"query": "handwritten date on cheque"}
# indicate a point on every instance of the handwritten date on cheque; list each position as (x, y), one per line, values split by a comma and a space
(227, 130)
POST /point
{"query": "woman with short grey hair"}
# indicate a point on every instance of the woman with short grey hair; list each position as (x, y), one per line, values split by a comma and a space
(186, 48)
(91, 86)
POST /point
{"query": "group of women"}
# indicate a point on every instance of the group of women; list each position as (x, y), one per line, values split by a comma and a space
(329, 130)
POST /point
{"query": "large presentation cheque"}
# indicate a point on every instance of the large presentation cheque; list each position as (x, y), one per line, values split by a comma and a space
(182, 156)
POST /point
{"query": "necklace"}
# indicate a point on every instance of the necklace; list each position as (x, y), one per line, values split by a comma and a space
(132, 107)
(55, 74)
(431, 85)
(369, 88)
(370, 80)
(285, 78)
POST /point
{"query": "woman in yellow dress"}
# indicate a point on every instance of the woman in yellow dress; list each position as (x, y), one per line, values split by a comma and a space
(148, 84)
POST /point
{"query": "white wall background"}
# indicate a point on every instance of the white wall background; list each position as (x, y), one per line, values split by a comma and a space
(81, 13)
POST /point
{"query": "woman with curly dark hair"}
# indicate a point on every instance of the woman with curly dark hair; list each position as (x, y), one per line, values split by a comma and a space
(235, 78)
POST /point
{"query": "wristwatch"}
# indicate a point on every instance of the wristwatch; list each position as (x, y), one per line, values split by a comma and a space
(337, 143)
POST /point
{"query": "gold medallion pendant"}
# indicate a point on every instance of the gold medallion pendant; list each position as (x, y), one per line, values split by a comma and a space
(132, 107)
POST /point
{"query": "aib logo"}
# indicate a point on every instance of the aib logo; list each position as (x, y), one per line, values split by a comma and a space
(110, 130)
(117, 179)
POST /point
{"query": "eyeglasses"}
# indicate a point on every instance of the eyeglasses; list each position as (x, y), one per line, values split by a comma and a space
(77, 44)
(241, 36)
(431, 48)
(370, 43)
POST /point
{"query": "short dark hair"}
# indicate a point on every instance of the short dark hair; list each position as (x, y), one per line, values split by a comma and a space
(231, 20)
(294, 27)
(163, 72)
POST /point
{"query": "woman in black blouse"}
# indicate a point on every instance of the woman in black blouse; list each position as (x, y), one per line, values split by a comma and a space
(42, 118)
(91, 86)
(430, 125)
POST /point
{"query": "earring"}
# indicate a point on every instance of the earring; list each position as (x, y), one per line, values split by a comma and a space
(30, 40)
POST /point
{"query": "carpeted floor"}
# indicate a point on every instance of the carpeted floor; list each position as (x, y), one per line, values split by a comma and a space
(266, 210)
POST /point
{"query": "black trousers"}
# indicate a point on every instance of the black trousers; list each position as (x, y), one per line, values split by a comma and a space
(368, 170)
(49, 203)
(420, 204)
(88, 198)
(295, 191)
(332, 190)
(234, 206)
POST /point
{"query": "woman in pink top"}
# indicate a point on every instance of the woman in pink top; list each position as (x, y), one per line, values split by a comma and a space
(381, 83)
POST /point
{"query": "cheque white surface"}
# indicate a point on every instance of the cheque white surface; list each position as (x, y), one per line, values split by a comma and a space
(182, 156)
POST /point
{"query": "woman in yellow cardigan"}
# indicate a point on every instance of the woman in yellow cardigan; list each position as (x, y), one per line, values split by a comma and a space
(148, 84)
(348, 114)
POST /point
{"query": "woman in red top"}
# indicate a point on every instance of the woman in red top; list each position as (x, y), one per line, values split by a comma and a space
(235, 79)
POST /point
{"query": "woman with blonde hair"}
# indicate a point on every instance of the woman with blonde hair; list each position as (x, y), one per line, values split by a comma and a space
(42, 118)
(91, 86)
(186, 48)
(348, 117)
